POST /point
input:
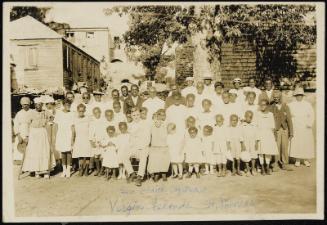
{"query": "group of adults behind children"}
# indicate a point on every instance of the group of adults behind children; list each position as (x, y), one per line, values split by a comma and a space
(203, 125)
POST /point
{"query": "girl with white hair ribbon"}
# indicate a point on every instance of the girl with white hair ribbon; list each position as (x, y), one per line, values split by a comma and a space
(38, 157)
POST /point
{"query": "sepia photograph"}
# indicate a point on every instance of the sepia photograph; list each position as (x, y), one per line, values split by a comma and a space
(163, 111)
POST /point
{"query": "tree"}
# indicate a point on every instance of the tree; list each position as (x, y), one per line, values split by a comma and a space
(38, 13)
(274, 29)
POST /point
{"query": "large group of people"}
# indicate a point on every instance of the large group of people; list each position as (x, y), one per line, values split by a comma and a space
(202, 129)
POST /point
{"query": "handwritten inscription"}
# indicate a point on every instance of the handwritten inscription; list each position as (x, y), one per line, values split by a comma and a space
(118, 206)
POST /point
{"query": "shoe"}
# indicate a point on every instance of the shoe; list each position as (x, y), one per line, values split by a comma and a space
(287, 168)
(239, 173)
(253, 172)
(307, 163)
(219, 174)
(188, 175)
(223, 173)
(263, 172)
(164, 177)
(275, 169)
(46, 176)
(138, 181)
(268, 171)
(131, 178)
(180, 177)
(297, 163)
(80, 171)
(197, 175)
(96, 173)
(68, 171)
(156, 178)
(206, 172)
(175, 176)
(119, 177)
(63, 174)
(247, 174)
(123, 176)
(37, 175)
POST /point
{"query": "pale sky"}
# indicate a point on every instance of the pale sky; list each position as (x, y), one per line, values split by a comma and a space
(85, 14)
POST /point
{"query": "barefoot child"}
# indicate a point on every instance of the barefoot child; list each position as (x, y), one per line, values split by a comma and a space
(123, 142)
(220, 145)
(110, 148)
(208, 148)
(268, 144)
(175, 147)
(193, 153)
(96, 134)
(234, 144)
(250, 141)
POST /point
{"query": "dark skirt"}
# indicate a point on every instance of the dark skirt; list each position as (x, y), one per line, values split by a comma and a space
(159, 160)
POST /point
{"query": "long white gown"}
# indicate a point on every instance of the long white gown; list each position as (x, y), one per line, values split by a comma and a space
(302, 144)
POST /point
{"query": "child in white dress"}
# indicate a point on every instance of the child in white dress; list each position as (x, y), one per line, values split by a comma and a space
(220, 145)
(234, 144)
(250, 141)
(96, 135)
(268, 144)
(208, 148)
(206, 117)
(81, 143)
(123, 144)
(63, 119)
(193, 153)
(110, 148)
(175, 148)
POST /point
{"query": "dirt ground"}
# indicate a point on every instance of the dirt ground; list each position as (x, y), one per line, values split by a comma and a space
(281, 192)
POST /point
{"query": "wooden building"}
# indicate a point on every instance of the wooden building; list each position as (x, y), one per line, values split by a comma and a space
(45, 59)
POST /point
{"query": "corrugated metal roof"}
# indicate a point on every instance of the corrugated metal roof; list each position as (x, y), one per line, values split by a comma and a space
(29, 28)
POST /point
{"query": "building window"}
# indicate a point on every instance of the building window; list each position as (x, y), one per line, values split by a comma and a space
(117, 42)
(89, 34)
(69, 34)
(31, 58)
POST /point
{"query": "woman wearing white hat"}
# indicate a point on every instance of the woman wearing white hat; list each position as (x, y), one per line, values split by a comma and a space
(22, 123)
(37, 155)
(302, 144)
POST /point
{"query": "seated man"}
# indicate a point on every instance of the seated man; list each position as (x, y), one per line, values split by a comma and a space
(139, 144)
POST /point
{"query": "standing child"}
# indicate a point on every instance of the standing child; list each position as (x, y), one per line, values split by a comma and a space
(175, 147)
(206, 117)
(220, 145)
(123, 144)
(266, 128)
(81, 143)
(234, 144)
(208, 148)
(110, 148)
(250, 141)
(64, 120)
(193, 153)
(96, 134)
(159, 158)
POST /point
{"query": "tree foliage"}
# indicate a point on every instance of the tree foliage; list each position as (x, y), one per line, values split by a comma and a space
(38, 13)
(273, 28)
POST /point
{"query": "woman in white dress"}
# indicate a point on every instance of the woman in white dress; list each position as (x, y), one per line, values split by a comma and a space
(302, 144)
(63, 144)
(267, 144)
(38, 157)
(81, 143)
